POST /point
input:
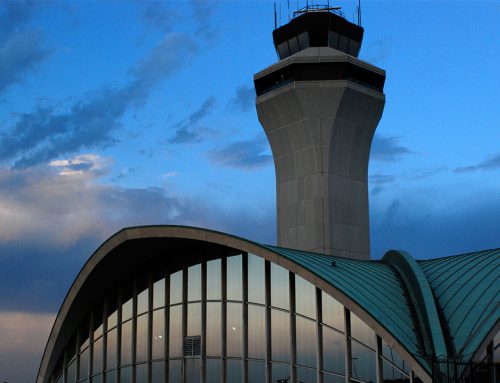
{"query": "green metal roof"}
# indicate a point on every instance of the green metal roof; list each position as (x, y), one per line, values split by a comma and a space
(467, 291)
(374, 285)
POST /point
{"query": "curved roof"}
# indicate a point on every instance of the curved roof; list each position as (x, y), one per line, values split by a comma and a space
(383, 294)
(467, 291)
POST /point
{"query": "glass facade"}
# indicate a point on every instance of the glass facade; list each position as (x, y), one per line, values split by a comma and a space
(234, 319)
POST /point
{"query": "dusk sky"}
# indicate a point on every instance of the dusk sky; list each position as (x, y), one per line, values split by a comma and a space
(115, 114)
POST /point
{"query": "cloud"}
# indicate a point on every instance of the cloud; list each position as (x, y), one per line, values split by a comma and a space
(491, 163)
(244, 100)
(202, 11)
(188, 130)
(379, 181)
(21, 51)
(244, 155)
(377, 51)
(23, 336)
(47, 133)
(387, 149)
(156, 14)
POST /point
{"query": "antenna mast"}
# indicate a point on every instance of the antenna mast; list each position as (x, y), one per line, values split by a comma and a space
(275, 17)
(359, 12)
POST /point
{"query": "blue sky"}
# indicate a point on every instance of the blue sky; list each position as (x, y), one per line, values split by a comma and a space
(127, 113)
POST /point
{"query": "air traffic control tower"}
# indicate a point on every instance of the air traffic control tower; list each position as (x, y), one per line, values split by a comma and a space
(319, 106)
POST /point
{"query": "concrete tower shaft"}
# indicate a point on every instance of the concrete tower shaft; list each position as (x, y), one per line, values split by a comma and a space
(320, 108)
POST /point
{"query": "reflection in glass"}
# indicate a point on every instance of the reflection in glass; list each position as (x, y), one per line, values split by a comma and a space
(256, 332)
(360, 331)
(111, 350)
(333, 351)
(157, 370)
(392, 374)
(98, 330)
(279, 287)
(234, 329)
(293, 44)
(213, 371)
(176, 287)
(256, 280)
(97, 357)
(142, 338)
(111, 376)
(213, 329)
(280, 336)
(391, 355)
(175, 371)
(333, 312)
(214, 279)
(193, 367)
(280, 371)
(158, 341)
(71, 372)
(127, 310)
(256, 371)
(142, 301)
(175, 332)
(84, 364)
(362, 362)
(112, 319)
(159, 293)
(193, 319)
(330, 378)
(141, 373)
(194, 283)
(306, 341)
(306, 375)
(234, 278)
(305, 297)
(234, 370)
(126, 350)
(125, 374)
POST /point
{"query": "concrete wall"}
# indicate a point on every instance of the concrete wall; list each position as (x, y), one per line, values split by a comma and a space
(320, 134)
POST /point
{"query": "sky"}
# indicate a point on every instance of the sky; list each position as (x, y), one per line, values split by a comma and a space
(115, 114)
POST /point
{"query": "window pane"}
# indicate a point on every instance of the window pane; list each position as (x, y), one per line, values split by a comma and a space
(142, 338)
(343, 43)
(256, 332)
(84, 364)
(111, 376)
(333, 351)
(363, 362)
(279, 287)
(159, 293)
(306, 342)
(112, 319)
(280, 336)
(111, 350)
(127, 310)
(330, 378)
(353, 47)
(333, 312)
(234, 370)
(176, 287)
(193, 367)
(213, 372)
(194, 283)
(256, 280)
(142, 302)
(306, 375)
(304, 40)
(360, 331)
(157, 372)
(283, 50)
(213, 329)
(97, 379)
(305, 297)
(71, 372)
(158, 341)
(293, 43)
(194, 319)
(234, 278)
(234, 327)
(175, 331)
(392, 374)
(392, 356)
(280, 371)
(214, 279)
(141, 373)
(174, 371)
(256, 371)
(333, 39)
(98, 329)
(126, 354)
(97, 358)
(125, 374)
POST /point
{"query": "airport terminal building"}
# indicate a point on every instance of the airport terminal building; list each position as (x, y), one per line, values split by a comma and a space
(176, 304)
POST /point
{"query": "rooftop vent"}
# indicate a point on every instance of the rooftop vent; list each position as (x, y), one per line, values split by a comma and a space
(192, 346)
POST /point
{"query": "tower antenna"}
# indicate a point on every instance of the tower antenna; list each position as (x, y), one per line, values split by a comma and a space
(275, 17)
(359, 12)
